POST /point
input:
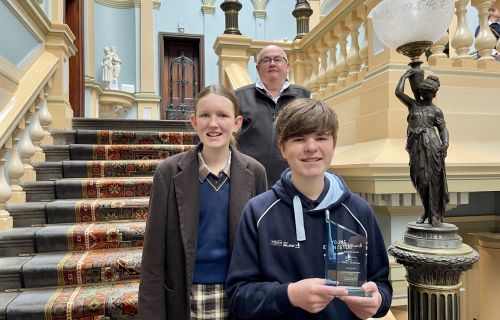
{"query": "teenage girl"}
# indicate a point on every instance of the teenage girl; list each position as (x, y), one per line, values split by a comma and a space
(195, 207)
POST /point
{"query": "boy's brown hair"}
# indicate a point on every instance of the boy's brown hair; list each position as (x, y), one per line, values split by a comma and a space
(305, 116)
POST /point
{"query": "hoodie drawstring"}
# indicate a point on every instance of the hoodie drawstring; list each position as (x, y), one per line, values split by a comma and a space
(330, 247)
(299, 219)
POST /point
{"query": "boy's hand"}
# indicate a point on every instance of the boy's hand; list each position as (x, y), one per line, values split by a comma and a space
(313, 295)
(364, 307)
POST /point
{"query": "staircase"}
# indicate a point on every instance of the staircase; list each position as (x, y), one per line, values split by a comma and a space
(75, 250)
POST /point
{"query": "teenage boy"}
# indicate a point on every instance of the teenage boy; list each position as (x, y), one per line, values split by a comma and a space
(277, 268)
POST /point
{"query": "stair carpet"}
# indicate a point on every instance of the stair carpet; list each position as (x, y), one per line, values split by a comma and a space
(76, 246)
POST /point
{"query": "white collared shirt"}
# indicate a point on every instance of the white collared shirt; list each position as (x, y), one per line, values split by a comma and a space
(259, 84)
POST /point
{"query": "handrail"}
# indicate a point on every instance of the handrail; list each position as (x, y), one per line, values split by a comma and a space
(29, 88)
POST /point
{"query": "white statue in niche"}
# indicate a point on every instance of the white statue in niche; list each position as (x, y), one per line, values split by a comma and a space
(111, 67)
(117, 65)
(107, 68)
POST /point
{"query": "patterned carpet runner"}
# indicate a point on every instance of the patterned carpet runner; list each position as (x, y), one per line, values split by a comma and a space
(137, 137)
(103, 188)
(110, 168)
(108, 301)
(125, 152)
(82, 267)
(97, 210)
(90, 236)
(86, 260)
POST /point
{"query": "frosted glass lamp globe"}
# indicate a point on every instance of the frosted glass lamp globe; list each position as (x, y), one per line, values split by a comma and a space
(400, 22)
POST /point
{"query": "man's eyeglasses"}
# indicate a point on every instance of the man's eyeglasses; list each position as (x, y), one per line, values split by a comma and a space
(268, 60)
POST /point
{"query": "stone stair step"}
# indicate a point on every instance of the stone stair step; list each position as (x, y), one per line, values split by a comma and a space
(124, 152)
(90, 236)
(5, 299)
(108, 301)
(132, 124)
(10, 272)
(96, 210)
(63, 137)
(48, 171)
(28, 213)
(80, 267)
(39, 190)
(18, 241)
(56, 152)
(108, 168)
(103, 188)
(135, 137)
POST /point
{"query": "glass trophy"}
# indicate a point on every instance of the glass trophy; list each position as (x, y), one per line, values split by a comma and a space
(345, 259)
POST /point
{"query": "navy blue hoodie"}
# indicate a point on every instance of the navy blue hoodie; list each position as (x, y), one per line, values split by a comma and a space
(270, 251)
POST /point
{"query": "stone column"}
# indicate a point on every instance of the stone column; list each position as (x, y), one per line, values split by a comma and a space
(434, 258)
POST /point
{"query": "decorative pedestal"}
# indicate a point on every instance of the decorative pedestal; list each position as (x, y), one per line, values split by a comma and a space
(434, 258)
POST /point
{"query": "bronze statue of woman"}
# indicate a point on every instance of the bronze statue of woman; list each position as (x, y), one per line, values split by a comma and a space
(426, 148)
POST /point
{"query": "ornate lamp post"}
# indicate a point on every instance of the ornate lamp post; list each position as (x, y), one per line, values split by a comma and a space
(432, 253)
(302, 12)
(231, 9)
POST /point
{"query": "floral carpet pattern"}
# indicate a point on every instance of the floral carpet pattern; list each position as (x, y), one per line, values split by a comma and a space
(111, 209)
(117, 301)
(136, 152)
(131, 137)
(121, 168)
(106, 235)
(99, 266)
(116, 188)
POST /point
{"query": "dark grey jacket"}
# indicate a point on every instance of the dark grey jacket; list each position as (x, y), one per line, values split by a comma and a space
(170, 242)
(257, 137)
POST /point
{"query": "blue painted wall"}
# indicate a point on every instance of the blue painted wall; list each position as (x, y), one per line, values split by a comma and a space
(19, 48)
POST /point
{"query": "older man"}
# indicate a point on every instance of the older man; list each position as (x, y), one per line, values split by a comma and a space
(260, 103)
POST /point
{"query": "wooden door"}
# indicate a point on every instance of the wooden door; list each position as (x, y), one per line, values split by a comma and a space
(73, 17)
(181, 75)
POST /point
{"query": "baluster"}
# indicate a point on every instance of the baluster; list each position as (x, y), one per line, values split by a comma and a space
(27, 149)
(291, 67)
(313, 79)
(462, 39)
(363, 49)
(437, 49)
(6, 222)
(331, 73)
(37, 133)
(16, 168)
(322, 79)
(307, 68)
(485, 40)
(341, 66)
(45, 120)
(300, 69)
(353, 59)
